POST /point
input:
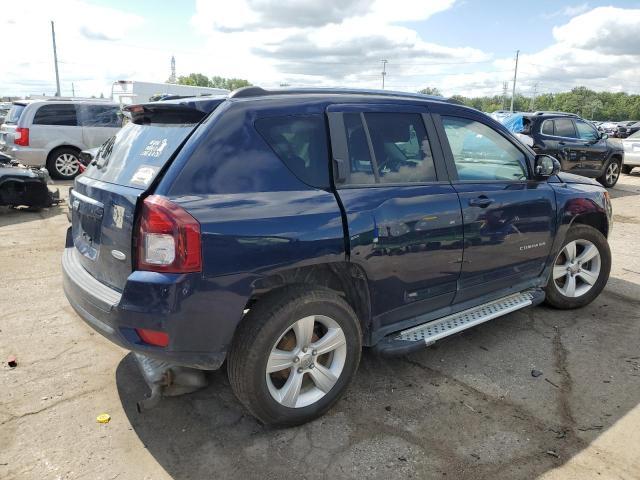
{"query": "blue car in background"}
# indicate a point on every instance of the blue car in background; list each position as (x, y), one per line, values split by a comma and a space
(280, 232)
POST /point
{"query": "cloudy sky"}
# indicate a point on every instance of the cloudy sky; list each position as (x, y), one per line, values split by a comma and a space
(459, 46)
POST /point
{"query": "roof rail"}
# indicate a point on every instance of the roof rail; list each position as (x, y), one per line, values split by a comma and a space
(249, 92)
(545, 112)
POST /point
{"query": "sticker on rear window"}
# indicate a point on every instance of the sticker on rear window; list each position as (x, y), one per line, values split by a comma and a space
(144, 174)
(154, 148)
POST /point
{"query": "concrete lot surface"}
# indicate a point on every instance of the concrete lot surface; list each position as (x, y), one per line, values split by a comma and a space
(467, 408)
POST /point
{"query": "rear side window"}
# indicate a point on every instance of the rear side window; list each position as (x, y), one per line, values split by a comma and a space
(99, 116)
(60, 114)
(301, 143)
(400, 146)
(402, 150)
(14, 114)
(135, 155)
(564, 128)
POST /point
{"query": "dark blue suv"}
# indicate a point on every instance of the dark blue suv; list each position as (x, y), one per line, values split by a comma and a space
(282, 231)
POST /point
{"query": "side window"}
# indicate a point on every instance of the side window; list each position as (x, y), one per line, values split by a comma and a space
(100, 116)
(60, 114)
(586, 131)
(402, 150)
(301, 143)
(359, 153)
(547, 127)
(481, 153)
(564, 128)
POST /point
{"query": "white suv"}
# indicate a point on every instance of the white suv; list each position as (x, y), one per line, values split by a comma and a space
(52, 133)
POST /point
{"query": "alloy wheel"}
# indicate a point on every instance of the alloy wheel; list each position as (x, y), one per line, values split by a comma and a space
(612, 173)
(306, 361)
(577, 268)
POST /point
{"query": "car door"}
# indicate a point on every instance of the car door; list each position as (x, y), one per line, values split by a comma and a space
(509, 218)
(561, 140)
(55, 124)
(595, 147)
(402, 215)
(99, 123)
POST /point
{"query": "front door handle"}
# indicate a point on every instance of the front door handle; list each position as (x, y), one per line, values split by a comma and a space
(482, 201)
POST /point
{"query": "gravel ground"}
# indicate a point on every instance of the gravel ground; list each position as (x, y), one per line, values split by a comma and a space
(466, 408)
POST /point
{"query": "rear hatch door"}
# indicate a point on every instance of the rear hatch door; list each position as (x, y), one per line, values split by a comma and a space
(8, 128)
(105, 197)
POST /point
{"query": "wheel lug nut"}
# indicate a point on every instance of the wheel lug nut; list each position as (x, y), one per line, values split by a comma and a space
(312, 366)
(304, 350)
(300, 370)
(315, 352)
(296, 359)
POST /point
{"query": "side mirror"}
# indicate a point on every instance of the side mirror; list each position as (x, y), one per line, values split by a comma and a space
(604, 136)
(546, 166)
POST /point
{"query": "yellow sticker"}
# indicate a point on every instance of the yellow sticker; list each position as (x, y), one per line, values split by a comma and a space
(103, 418)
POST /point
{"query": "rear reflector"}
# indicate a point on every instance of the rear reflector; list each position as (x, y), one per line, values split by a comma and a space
(153, 337)
(168, 238)
(21, 137)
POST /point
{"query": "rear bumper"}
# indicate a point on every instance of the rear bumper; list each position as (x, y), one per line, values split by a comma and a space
(112, 314)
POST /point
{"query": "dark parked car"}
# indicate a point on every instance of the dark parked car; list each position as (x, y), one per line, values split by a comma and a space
(282, 231)
(579, 146)
(627, 128)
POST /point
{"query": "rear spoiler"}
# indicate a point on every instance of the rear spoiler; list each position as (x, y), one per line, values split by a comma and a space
(187, 111)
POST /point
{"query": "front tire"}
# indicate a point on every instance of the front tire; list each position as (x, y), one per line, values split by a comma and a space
(64, 163)
(294, 354)
(611, 173)
(581, 269)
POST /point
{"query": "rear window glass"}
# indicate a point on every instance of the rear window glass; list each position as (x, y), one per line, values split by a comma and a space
(60, 114)
(14, 114)
(301, 143)
(99, 115)
(135, 155)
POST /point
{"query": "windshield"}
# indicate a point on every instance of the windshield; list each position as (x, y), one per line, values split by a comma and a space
(135, 155)
(14, 114)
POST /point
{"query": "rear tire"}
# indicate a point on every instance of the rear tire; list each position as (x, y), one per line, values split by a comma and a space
(627, 169)
(611, 173)
(581, 269)
(64, 163)
(276, 368)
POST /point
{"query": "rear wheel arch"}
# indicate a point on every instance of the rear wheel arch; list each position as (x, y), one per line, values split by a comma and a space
(346, 279)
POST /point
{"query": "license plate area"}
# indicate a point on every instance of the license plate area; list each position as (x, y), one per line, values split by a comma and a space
(87, 224)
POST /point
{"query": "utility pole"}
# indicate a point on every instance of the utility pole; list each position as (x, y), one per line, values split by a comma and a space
(533, 97)
(55, 59)
(172, 78)
(384, 71)
(73, 90)
(515, 77)
(505, 89)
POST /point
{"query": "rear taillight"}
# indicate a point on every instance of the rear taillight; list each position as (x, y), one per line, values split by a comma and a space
(21, 137)
(168, 238)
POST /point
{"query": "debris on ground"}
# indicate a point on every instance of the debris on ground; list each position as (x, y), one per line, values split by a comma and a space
(549, 381)
(12, 361)
(552, 453)
(103, 418)
(535, 373)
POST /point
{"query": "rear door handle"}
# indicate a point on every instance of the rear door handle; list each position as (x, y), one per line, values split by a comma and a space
(481, 201)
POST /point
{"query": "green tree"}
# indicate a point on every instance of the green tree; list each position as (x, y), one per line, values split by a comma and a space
(229, 83)
(430, 91)
(195, 79)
